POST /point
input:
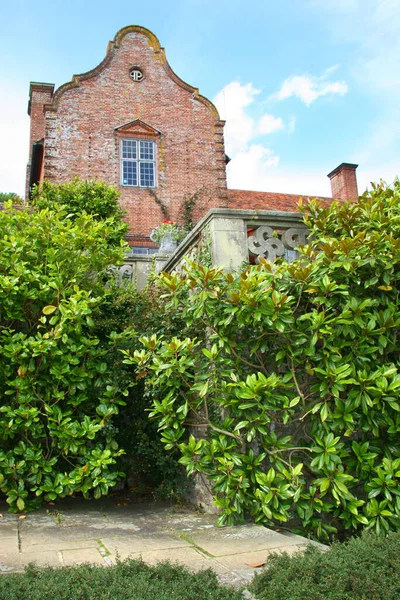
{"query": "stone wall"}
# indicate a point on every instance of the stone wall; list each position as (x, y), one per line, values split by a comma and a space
(138, 268)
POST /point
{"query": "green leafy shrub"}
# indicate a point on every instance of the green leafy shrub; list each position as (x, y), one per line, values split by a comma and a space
(293, 375)
(57, 389)
(168, 228)
(148, 466)
(6, 196)
(127, 580)
(366, 568)
(92, 197)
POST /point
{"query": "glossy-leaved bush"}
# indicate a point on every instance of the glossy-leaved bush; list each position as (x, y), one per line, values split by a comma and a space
(57, 388)
(287, 397)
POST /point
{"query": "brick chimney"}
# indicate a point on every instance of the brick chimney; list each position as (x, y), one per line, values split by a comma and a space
(39, 95)
(344, 182)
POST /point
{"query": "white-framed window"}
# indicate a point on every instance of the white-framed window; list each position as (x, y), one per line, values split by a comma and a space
(138, 163)
(142, 250)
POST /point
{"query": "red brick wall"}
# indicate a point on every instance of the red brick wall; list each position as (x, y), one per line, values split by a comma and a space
(39, 95)
(80, 136)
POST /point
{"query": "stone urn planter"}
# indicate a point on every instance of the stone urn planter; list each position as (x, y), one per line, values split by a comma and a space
(167, 243)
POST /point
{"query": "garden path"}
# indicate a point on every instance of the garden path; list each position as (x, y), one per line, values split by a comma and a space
(75, 531)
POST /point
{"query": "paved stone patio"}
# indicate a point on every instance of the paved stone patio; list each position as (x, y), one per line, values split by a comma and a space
(77, 531)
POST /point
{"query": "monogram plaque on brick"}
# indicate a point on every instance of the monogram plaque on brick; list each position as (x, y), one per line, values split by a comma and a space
(136, 74)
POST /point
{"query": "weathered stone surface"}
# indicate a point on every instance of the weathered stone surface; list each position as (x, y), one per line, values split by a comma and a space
(228, 243)
(185, 556)
(8, 543)
(10, 563)
(85, 555)
(42, 558)
(143, 543)
(77, 532)
(237, 540)
(57, 545)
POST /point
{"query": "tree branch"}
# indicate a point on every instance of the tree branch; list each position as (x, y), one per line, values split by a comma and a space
(300, 393)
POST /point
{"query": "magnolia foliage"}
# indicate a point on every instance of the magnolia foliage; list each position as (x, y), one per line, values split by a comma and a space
(57, 389)
(285, 393)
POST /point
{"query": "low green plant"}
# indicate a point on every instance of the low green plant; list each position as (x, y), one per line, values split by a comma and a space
(291, 370)
(127, 580)
(176, 231)
(6, 196)
(365, 568)
(93, 197)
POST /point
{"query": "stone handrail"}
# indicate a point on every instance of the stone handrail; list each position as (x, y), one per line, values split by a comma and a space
(228, 238)
(231, 237)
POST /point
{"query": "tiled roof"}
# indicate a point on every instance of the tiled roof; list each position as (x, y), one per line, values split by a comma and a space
(267, 200)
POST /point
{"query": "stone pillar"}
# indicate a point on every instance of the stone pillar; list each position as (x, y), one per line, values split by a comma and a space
(228, 242)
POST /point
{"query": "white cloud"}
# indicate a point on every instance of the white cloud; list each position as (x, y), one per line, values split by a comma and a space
(252, 163)
(255, 166)
(308, 88)
(231, 103)
(261, 171)
(234, 104)
(247, 168)
(291, 125)
(14, 133)
(269, 124)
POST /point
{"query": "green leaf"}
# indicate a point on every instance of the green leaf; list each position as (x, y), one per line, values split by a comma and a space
(49, 309)
(20, 504)
(324, 412)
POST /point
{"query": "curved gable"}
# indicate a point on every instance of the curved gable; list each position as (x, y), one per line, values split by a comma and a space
(115, 44)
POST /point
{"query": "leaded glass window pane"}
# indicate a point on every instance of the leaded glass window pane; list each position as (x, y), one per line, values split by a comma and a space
(147, 174)
(129, 149)
(138, 166)
(146, 150)
(129, 172)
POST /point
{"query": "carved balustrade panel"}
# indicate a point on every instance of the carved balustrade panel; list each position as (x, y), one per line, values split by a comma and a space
(270, 243)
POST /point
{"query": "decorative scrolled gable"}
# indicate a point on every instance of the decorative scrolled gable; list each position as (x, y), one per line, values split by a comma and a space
(159, 54)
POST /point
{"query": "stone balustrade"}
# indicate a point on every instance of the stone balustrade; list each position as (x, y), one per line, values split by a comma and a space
(227, 238)
(231, 238)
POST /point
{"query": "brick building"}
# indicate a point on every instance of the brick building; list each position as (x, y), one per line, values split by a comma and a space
(132, 122)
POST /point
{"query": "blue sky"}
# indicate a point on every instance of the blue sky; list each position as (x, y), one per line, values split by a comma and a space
(303, 85)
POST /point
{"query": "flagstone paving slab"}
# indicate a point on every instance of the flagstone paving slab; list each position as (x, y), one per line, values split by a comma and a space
(79, 557)
(143, 543)
(45, 558)
(58, 546)
(234, 540)
(75, 531)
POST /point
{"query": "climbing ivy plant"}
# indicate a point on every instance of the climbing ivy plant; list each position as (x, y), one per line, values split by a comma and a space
(287, 395)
